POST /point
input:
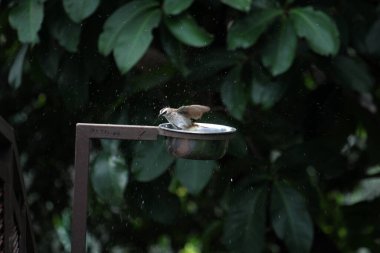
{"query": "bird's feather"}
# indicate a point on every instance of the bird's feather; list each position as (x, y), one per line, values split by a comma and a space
(194, 112)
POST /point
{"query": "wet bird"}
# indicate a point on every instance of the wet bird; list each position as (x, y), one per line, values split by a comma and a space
(183, 117)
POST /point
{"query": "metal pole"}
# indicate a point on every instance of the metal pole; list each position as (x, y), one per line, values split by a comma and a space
(84, 134)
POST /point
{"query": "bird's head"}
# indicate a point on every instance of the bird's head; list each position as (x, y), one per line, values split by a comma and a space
(165, 111)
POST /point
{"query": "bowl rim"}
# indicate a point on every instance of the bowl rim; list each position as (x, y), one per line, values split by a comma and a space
(186, 134)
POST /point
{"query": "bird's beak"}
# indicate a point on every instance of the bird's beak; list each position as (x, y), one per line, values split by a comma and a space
(160, 114)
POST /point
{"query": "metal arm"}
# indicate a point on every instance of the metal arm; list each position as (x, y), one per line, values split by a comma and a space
(84, 134)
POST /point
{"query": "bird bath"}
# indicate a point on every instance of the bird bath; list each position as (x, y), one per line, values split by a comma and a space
(200, 142)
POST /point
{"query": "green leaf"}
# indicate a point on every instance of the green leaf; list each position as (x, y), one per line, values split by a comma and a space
(186, 30)
(241, 5)
(109, 178)
(150, 161)
(244, 228)
(279, 53)
(151, 79)
(194, 174)
(353, 74)
(136, 38)
(209, 63)
(233, 93)
(317, 28)
(65, 32)
(373, 38)
(245, 32)
(237, 146)
(175, 51)
(158, 203)
(174, 7)
(265, 92)
(80, 9)
(290, 219)
(49, 56)
(15, 73)
(115, 26)
(26, 17)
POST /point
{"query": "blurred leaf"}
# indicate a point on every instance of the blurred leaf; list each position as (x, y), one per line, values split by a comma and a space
(109, 178)
(175, 51)
(186, 30)
(174, 7)
(317, 28)
(210, 63)
(373, 38)
(15, 73)
(233, 93)
(115, 26)
(244, 228)
(150, 160)
(245, 32)
(353, 74)
(151, 79)
(265, 92)
(194, 174)
(135, 40)
(26, 17)
(237, 146)
(157, 202)
(279, 53)
(80, 9)
(49, 56)
(290, 218)
(241, 5)
(65, 32)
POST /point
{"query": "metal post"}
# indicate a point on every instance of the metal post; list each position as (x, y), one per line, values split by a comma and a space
(84, 134)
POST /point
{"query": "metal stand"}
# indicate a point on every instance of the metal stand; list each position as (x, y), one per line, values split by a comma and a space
(16, 233)
(84, 134)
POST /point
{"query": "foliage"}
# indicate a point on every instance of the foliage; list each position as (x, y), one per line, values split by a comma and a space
(298, 79)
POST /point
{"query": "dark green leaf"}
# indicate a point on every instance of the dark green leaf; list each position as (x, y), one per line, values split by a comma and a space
(244, 229)
(317, 28)
(26, 17)
(353, 74)
(186, 30)
(290, 219)
(241, 5)
(159, 204)
(245, 32)
(80, 9)
(210, 63)
(265, 92)
(136, 38)
(237, 146)
(150, 79)
(66, 33)
(373, 39)
(279, 53)
(174, 7)
(115, 26)
(194, 174)
(109, 178)
(49, 56)
(175, 51)
(150, 160)
(15, 73)
(233, 93)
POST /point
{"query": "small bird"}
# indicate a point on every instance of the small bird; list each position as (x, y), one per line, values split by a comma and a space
(183, 117)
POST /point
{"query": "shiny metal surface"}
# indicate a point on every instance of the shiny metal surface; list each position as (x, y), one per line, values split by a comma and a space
(201, 142)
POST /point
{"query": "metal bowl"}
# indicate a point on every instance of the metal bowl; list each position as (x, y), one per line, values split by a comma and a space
(200, 142)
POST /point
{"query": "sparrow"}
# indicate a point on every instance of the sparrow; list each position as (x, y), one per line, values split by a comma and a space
(183, 117)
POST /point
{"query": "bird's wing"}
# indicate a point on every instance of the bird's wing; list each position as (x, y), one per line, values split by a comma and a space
(193, 111)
